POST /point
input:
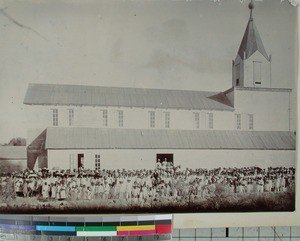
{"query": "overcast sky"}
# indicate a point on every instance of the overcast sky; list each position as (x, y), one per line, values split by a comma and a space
(151, 44)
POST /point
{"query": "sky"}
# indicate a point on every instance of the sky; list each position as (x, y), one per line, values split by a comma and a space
(130, 43)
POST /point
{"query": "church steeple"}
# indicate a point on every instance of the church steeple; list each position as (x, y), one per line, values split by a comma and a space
(251, 41)
(251, 67)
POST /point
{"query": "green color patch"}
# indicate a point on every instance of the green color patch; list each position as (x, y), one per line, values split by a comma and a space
(97, 228)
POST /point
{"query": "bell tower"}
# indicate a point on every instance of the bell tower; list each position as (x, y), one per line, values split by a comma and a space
(252, 65)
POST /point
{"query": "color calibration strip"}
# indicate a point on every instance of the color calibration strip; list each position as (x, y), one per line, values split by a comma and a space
(92, 227)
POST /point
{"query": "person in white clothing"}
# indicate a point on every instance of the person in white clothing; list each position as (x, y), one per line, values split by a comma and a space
(45, 190)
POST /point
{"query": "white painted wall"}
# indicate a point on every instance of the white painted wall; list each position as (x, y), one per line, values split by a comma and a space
(270, 109)
(134, 118)
(146, 158)
(245, 71)
(265, 70)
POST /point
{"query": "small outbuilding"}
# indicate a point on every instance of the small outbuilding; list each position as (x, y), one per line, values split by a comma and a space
(13, 158)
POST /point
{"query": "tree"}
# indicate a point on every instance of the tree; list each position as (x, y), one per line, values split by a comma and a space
(19, 141)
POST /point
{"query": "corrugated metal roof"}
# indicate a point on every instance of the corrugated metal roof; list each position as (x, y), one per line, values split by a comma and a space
(251, 42)
(51, 94)
(13, 152)
(262, 89)
(95, 138)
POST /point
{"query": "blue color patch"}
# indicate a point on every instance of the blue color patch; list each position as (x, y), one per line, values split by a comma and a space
(56, 228)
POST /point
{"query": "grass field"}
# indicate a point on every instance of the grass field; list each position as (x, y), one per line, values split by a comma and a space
(246, 202)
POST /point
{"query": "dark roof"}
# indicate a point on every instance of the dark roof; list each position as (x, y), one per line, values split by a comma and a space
(251, 42)
(13, 152)
(36, 148)
(100, 138)
(222, 98)
(53, 94)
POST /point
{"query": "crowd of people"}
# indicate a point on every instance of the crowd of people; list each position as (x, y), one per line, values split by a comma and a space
(165, 182)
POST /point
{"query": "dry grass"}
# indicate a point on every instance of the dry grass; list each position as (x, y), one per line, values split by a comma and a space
(218, 203)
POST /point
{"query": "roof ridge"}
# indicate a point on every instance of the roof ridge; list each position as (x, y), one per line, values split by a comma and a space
(167, 139)
(120, 87)
(82, 95)
(169, 130)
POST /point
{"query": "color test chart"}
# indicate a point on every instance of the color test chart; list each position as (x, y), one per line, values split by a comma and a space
(105, 228)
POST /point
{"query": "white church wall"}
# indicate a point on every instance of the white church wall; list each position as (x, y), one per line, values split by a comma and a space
(223, 120)
(146, 158)
(68, 159)
(133, 118)
(110, 159)
(249, 71)
(39, 117)
(267, 117)
(270, 109)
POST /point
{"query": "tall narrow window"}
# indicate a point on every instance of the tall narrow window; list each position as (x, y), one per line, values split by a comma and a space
(104, 118)
(251, 121)
(72, 161)
(152, 119)
(238, 121)
(257, 73)
(55, 117)
(71, 117)
(167, 119)
(210, 120)
(120, 118)
(196, 120)
(97, 162)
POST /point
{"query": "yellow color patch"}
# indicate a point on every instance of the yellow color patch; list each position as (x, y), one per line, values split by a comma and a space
(135, 228)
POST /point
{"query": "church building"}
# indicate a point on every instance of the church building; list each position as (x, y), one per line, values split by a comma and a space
(134, 128)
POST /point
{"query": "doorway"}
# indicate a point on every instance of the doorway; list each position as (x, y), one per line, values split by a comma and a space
(80, 161)
(168, 157)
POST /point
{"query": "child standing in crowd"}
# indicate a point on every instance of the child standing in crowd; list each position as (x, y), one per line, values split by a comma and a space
(135, 194)
(73, 192)
(53, 191)
(143, 194)
(45, 190)
(25, 188)
(62, 191)
(79, 192)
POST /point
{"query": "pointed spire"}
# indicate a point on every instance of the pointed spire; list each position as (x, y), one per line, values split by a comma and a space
(251, 41)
